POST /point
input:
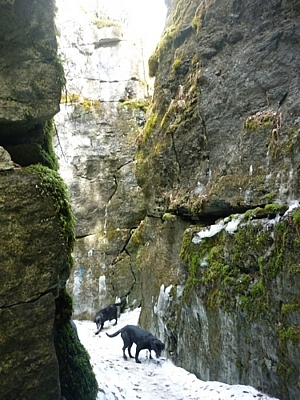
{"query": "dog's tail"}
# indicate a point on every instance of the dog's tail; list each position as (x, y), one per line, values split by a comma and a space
(114, 334)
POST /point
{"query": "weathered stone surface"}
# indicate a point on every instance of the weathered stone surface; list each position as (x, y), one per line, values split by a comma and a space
(29, 71)
(209, 158)
(107, 203)
(34, 266)
(237, 312)
(36, 222)
(28, 366)
(98, 126)
(28, 221)
(222, 137)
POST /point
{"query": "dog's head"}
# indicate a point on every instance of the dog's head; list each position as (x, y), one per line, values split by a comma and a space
(158, 347)
(97, 321)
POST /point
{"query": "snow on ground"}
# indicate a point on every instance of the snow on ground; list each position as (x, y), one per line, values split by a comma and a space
(119, 379)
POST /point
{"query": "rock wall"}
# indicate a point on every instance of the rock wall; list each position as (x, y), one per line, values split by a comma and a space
(34, 269)
(28, 52)
(105, 46)
(36, 221)
(220, 146)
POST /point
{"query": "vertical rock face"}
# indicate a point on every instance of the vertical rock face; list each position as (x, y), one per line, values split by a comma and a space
(105, 46)
(34, 265)
(221, 140)
(29, 70)
(35, 218)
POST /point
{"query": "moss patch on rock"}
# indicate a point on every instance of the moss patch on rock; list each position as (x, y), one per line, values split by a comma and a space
(54, 186)
(226, 277)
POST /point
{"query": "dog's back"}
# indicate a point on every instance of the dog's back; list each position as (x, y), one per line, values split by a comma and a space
(106, 314)
(142, 338)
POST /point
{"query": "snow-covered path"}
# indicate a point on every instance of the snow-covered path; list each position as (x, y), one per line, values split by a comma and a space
(119, 379)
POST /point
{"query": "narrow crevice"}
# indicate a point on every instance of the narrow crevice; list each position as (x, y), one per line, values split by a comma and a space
(176, 154)
(124, 165)
(26, 302)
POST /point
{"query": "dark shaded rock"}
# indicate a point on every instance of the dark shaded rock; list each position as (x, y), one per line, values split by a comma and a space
(28, 359)
(34, 265)
(28, 52)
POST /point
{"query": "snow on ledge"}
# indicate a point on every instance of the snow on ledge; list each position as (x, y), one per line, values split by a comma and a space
(230, 224)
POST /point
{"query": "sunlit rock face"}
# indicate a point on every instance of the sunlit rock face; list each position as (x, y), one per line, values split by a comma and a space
(104, 46)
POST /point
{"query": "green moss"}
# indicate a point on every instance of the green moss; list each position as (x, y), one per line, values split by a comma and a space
(105, 23)
(261, 212)
(254, 213)
(269, 196)
(70, 98)
(176, 64)
(77, 379)
(136, 104)
(287, 309)
(48, 151)
(263, 119)
(189, 252)
(153, 65)
(296, 217)
(169, 217)
(278, 253)
(170, 111)
(291, 333)
(55, 187)
(197, 19)
(286, 371)
(275, 208)
(150, 124)
(79, 101)
(166, 42)
(231, 277)
(291, 141)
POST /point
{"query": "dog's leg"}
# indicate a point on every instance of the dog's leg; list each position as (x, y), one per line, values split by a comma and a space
(124, 355)
(137, 355)
(129, 350)
(115, 322)
(126, 342)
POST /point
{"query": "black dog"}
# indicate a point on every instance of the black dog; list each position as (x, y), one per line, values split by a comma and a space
(143, 340)
(108, 313)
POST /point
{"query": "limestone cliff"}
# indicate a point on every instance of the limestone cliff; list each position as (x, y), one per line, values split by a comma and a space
(218, 164)
(105, 48)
